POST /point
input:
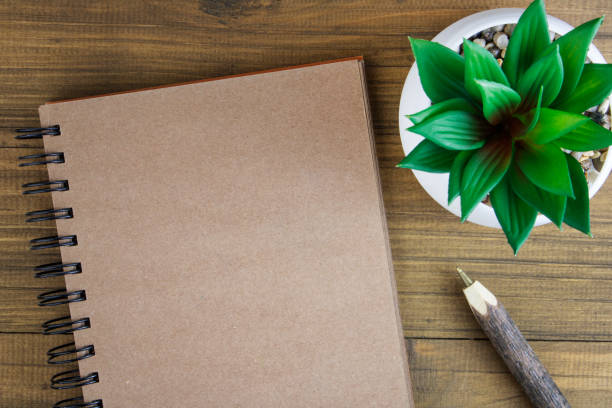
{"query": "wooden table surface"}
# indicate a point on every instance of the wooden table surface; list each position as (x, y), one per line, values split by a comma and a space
(558, 289)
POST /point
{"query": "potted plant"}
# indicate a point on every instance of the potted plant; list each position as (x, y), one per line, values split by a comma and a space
(505, 126)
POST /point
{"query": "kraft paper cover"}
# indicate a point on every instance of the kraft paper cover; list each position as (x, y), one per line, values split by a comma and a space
(233, 242)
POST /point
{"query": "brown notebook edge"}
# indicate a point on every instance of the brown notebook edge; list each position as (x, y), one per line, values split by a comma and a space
(400, 330)
(197, 81)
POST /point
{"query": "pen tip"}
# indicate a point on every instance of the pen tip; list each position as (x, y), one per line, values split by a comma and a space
(466, 279)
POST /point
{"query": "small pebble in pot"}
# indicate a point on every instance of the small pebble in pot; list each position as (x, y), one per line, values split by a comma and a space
(480, 42)
(509, 28)
(586, 164)
(596, 116)
(577, 155)
(488, 34)
(603, 108)
(591, 175)
(499, 27)
(500, 61)
(493, 49)
(593, 159)
(501, 40)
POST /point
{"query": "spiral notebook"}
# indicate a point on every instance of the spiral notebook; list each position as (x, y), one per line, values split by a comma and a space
(223, 244)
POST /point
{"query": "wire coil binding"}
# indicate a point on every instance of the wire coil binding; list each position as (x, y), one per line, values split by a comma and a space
(61, 297)
(50, 214)
(55, 185)
(66, 326)
(72, 379)
(57, 269)
(67, 349)
(38, 133)
(53, 242)
(59, 158)
(66, 353)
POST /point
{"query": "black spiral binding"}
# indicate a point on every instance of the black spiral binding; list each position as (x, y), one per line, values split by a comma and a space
(66, 353)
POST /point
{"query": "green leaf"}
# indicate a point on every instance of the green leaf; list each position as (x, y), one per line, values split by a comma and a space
(454, 177)
(483, 171)
(577, 212)
(428, 156)
(441, 70)
(594, 86)
(553, 124)
(544, 166)
(530, 118)
(529, 39)
(573, 48)
(454, 130)
(515, 216)
(480, 64)
(549, 204)
(498, 101)
(440, 107)
(588, 136)
(547, 72)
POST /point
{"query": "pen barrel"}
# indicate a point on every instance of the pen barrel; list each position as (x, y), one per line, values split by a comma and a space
(520, 357)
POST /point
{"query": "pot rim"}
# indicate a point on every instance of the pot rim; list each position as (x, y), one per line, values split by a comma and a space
(413, 99)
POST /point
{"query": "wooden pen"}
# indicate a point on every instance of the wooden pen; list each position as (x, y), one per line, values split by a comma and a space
(510, 344)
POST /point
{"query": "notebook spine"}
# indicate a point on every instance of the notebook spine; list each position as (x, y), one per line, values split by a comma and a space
(67, 353)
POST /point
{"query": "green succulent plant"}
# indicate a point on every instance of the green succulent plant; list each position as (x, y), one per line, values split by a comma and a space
(504, 131)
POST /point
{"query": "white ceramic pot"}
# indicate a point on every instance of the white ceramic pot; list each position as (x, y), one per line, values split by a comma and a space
(414, 100)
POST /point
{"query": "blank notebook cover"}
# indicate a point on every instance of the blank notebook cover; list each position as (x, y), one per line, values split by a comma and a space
(233, 243)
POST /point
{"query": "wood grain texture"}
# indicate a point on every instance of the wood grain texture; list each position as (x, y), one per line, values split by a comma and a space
(25, 373)
(558, 289)
(469, 373)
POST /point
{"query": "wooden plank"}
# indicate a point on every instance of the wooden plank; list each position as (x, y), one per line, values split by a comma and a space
(558, 288)
(321, 17)
(533, 286)
(468, 373)
(21, 103)
(16, 259)
(445, 373)
(536, 295)
(24, 372)
(83, 52)
(546, 301)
